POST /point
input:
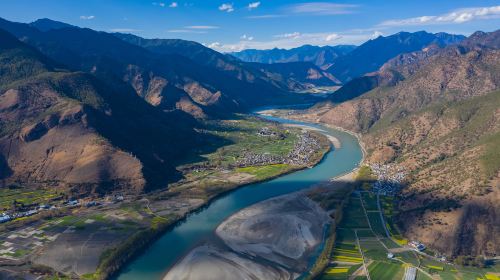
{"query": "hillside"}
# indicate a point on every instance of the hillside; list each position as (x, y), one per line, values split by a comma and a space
(439, 121)
(322, 57)
(71, 131)
(454, 73)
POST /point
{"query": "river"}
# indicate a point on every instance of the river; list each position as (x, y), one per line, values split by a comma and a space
(198, 227)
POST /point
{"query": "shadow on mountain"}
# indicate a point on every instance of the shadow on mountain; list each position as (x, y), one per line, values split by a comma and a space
(5, 170)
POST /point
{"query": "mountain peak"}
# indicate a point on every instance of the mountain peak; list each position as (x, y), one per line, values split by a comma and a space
(46, 24)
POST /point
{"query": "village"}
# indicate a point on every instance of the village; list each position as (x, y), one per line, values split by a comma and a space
(390, 178)
(31, 210)
(305, 147)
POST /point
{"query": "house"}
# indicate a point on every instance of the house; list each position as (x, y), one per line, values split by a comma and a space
(4, 218)
(390, 255)
(417, 245)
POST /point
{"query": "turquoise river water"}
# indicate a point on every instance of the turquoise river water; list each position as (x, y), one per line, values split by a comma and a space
(199, 226)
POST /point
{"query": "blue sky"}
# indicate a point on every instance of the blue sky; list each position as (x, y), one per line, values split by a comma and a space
(234, 25)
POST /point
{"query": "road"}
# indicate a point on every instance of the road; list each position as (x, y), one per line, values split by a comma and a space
(362, 255)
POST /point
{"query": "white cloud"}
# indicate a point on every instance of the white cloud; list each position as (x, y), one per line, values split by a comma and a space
(214, 45)
(246, 37)
(87, 17)
(253, 5)
(454, 17)
(173, 5)
(332, 37)
(265, 16)
(124, 30)
(293, 35)
(296, 39)
(205, 27)
(185, 31)
(376, 34)
(161, 4)
(321, 8)
(227, 7)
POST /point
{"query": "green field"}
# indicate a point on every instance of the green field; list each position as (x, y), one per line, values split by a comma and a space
(24, 196)
(386, 271)
(265, 171)
(354, 216)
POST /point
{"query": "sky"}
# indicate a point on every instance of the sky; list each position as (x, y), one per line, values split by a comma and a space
(233, 25)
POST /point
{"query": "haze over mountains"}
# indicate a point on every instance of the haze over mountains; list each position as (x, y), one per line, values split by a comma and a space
(320, 56)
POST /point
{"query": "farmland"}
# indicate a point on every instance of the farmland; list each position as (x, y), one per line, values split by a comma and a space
(361, 238)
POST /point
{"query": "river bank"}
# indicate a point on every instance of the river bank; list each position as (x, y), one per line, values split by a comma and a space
(199, 223)
(113, 261)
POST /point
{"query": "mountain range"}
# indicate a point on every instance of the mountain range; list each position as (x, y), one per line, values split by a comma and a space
(348, 62)
(321, 56)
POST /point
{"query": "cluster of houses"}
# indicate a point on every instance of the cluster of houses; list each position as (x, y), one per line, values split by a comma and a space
(5, 217)
(417, 245)
(267, 132)
(303, 150)
(389, 178)
(9, 216)
(305, 147)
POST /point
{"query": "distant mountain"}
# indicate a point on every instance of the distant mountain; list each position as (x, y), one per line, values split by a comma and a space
(321, 56)
(74, 131)
(46, 24)
(243, 71)
(435, 113)
(371, 55)
(167, 80)
(302, 75)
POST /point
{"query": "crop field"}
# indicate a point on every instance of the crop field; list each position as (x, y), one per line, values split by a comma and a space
(354, 216)
(339, 272)
(376, 223)
(24, 196)
(375, 249)
(264, 171)
(370, 201)
(365, 233)
(386, 271)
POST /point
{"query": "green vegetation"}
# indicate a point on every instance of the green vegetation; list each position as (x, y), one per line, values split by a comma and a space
(18, 196)
(265, 171)
(224, 163)
(329, 199)
(365, 174)
(385, 271)
(490, 159)
(112, 259)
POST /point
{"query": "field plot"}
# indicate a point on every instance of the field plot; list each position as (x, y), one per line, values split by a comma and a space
(373, 249)
(22, 196)
(370, 201)
(339, 272)
(386, 271)
(354, 216)
(376, 223)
